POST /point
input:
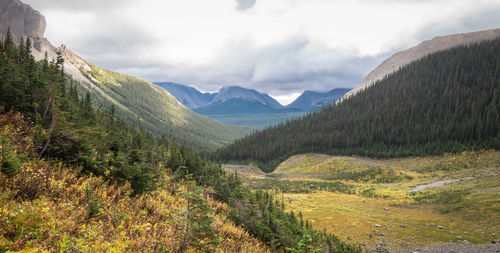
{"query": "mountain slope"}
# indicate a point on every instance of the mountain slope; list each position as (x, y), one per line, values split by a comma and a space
(239, 106)
(145, 104)
(136, 101)
(188, 96)
(313, 100)
(251, 95)
(445, 102)
(234, 105)
(403, 58)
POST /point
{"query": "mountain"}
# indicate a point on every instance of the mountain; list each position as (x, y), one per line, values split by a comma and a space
(71, 169)
(233, 105)
(237, 106)
(448, 101)
(251, 95)
(188, 96)
(440, 43)
(22, 20)
(145, 104)
(313, 100)
(138, 102)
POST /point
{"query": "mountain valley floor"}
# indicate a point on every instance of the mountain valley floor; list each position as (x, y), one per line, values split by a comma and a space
(383, 204)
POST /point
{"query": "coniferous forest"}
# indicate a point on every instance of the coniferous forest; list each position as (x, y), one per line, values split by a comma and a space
(448, 101)
(83, 166)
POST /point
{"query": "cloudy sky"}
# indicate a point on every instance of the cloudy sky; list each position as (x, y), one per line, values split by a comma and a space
(281, 47)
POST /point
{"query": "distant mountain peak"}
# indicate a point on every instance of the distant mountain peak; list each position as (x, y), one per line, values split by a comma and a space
(315, 100)
(229, 92)
(188, 96)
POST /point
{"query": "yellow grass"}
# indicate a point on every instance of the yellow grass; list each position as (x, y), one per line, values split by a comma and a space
(352, 217)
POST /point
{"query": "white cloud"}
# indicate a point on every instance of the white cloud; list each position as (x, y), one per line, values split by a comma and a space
(278, 46)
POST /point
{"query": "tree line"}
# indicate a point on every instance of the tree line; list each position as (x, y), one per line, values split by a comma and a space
(68, 129)
(448, 101)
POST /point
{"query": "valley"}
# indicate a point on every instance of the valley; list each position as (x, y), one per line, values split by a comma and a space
(371, 202)
(96, 160)
(240, 106)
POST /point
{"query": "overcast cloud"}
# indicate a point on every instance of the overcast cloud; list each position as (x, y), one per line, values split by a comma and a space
(281, 47)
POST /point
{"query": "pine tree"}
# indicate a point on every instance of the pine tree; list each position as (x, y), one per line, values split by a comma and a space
(198, 231)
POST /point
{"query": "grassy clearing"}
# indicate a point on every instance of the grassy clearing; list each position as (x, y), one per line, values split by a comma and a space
(348, 196)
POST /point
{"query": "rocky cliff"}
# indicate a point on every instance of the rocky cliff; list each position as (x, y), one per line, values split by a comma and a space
(22, 20)
(26, 22)
(436, 44)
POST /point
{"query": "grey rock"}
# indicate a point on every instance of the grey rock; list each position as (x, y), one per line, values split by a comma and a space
(23, 20)
(440, 227)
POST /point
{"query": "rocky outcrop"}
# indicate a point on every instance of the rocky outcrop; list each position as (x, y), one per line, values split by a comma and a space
(403, 58)
(23, 20)
(26, 22)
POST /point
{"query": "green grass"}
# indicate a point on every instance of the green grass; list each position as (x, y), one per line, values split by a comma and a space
(347, 196)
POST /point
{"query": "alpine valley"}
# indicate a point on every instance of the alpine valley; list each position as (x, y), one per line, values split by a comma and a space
(247, 107)
(93, 160)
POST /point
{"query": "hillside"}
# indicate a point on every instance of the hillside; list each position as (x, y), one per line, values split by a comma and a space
(446, 102)
(400, 59)
(144, 104)
(74, 177)
(313, 100)
(138, 102)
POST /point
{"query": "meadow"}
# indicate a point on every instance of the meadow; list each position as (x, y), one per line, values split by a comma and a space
(399, 204)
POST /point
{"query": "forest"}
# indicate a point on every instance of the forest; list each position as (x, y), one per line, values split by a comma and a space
(110, 186)
(448, 101)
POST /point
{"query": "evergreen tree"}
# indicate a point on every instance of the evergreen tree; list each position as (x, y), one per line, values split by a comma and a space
(198, 231)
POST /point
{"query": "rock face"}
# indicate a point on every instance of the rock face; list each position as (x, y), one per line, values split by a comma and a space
(22, 19)
(403, 58)
(25, 22)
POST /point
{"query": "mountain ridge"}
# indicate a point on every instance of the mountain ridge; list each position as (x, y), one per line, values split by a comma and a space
(251, 95)
(447, 101)
(188, 96)
(402, 58)
(314, 100)
(140, 103)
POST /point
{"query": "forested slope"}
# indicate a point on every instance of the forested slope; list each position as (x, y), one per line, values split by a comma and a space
(144, 104)
(445, 102)
(76, 178)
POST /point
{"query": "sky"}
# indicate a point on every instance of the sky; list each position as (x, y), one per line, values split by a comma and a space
(280, 47)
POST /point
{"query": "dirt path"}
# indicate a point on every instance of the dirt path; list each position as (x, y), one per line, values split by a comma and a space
(439, 183)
